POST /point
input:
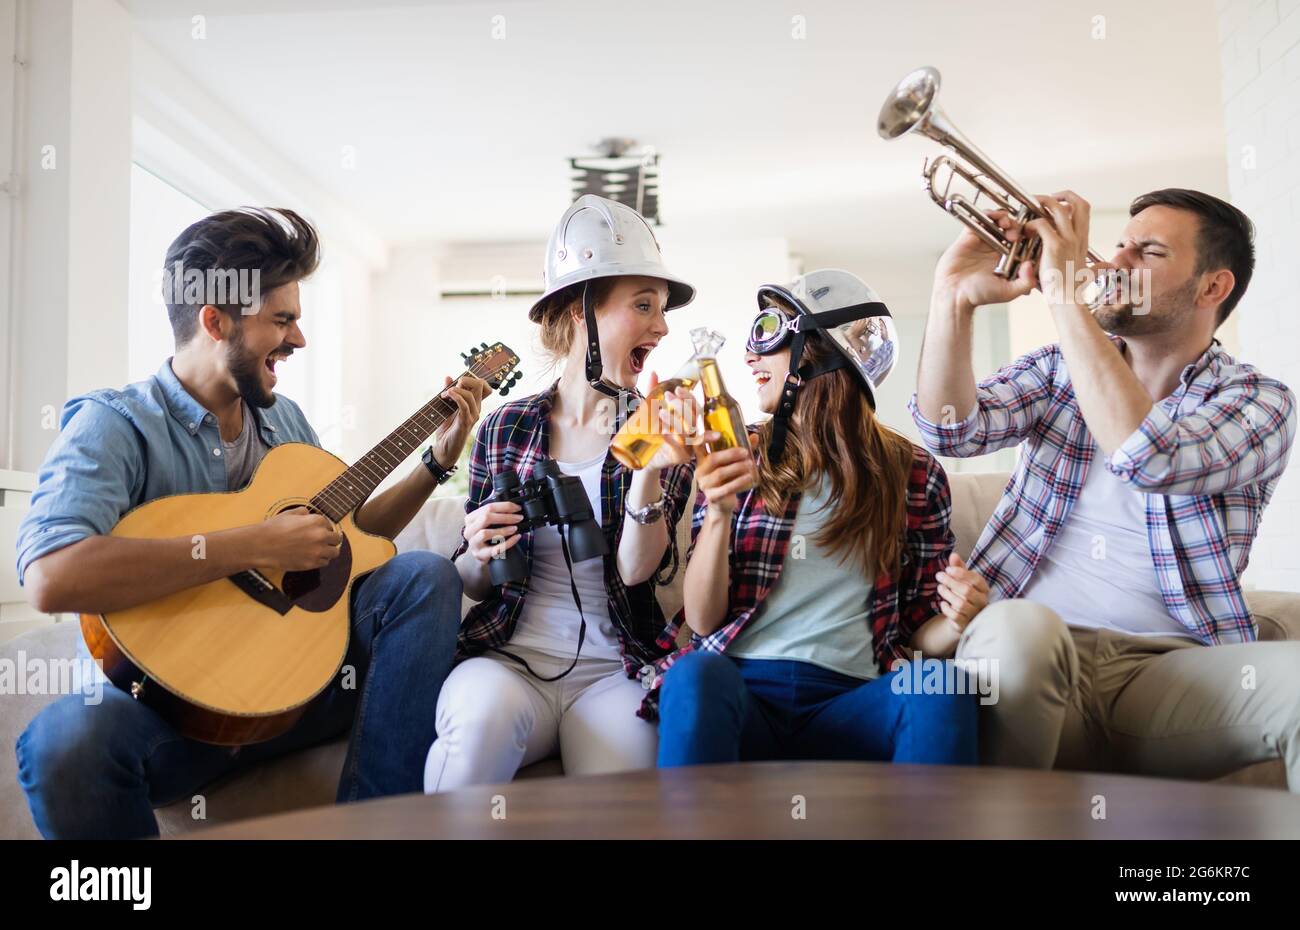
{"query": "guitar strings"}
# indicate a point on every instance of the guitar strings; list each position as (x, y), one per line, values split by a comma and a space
(369, 477)
(338, 502)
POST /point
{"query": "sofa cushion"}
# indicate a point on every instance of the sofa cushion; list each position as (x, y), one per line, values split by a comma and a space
(1275, 613)
(435, 527)
(974, 497)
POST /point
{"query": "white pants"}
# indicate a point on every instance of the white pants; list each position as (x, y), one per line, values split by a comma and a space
(494, 718)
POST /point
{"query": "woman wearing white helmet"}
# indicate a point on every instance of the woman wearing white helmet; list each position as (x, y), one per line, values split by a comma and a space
(549, 661)
(819, 557)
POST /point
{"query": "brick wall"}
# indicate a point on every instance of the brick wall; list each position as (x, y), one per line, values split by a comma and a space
(1260, 52)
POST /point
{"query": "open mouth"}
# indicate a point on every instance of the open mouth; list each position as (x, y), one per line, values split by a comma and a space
(638, 356)
(762, 377)
(272, 360)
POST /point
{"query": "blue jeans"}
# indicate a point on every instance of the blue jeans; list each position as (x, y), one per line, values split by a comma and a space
(718, 709)
(98, 770)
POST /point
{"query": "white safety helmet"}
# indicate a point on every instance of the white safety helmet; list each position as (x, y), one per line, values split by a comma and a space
(601, 238)
(844, 309)
(869, 342)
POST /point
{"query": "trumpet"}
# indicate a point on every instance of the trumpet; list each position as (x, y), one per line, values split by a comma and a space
(911, 108)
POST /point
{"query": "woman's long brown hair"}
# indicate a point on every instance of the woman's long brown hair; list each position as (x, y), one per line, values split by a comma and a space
(835, 432)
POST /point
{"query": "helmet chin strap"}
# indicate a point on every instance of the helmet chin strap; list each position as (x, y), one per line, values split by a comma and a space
(794, 380)
(595, 369)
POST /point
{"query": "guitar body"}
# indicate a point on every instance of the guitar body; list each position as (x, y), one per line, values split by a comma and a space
(217, 663)
(238, 660)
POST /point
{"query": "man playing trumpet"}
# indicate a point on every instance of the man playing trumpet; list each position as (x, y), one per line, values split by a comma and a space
(1119, 626)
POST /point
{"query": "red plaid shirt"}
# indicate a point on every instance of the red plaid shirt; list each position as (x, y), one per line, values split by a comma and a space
(901, 602)
(517, 435)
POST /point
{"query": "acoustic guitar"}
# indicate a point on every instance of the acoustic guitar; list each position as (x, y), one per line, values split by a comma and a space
(237, 660)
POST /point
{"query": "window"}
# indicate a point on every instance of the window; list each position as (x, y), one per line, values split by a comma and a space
(158, 214)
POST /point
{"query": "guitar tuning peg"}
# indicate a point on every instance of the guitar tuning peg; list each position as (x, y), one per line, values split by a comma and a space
(504, 391)
(464, 356)
(483, 345)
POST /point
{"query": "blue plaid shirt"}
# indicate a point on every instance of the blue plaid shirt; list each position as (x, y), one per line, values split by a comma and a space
(517, 435)
(1207, 457)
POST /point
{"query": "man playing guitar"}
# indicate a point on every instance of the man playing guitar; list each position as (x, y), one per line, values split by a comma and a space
(202, 424)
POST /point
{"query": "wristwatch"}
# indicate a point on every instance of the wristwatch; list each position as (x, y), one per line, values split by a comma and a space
(650, 513)
(439, 473)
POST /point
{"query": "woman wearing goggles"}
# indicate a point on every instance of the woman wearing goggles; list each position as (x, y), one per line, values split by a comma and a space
(813, 571)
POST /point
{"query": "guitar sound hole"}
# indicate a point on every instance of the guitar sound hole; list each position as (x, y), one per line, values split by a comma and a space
(300, 584)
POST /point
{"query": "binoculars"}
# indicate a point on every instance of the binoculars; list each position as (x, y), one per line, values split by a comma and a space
(548, 498)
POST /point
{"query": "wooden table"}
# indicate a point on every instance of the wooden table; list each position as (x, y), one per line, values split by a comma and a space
(843, 800)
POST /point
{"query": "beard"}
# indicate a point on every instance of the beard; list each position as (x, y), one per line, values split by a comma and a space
(1168, 311)
(245, 368)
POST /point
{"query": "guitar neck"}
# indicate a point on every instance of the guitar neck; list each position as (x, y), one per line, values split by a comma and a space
(346, 492)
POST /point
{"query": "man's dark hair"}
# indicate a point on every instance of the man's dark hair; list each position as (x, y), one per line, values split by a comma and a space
(278, 244)
(1226, 238)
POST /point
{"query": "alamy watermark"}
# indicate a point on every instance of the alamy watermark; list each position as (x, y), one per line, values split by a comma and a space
(24, 674)
(77, 882)
(220, 287)
(1098, 287)
(922, 675)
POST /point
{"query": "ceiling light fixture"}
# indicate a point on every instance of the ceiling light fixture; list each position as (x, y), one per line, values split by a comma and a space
(622, 171)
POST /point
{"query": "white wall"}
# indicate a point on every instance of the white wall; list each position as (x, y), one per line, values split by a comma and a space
(410, 346)
(68, 324)
(181, 133)
(10, 142)
(92, 98)
(1260, 48)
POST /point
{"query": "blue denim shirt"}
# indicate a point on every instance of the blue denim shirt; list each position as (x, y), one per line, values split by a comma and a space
(118, 449)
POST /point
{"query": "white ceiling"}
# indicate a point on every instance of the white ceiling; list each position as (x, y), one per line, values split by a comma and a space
(460, 137)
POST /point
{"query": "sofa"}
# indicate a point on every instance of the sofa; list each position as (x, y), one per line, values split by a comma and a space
(309, 778)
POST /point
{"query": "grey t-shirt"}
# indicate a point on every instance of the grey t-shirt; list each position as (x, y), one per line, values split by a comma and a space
(243, 453)
(819, 611)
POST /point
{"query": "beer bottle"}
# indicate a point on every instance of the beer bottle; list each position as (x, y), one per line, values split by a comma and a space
(721, 412)
(642, 434)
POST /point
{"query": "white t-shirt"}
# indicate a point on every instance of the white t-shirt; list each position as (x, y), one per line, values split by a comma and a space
(549, 621)
(1098, 571)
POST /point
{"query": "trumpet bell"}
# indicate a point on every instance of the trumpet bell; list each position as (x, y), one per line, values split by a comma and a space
(911, 107)
(910, 103)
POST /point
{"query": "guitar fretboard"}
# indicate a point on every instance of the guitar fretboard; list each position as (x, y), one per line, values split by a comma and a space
(342, 495)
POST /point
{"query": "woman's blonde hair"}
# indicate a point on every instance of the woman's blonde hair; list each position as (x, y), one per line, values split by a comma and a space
(558, 323)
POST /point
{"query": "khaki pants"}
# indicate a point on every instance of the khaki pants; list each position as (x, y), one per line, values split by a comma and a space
(1096, 700)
